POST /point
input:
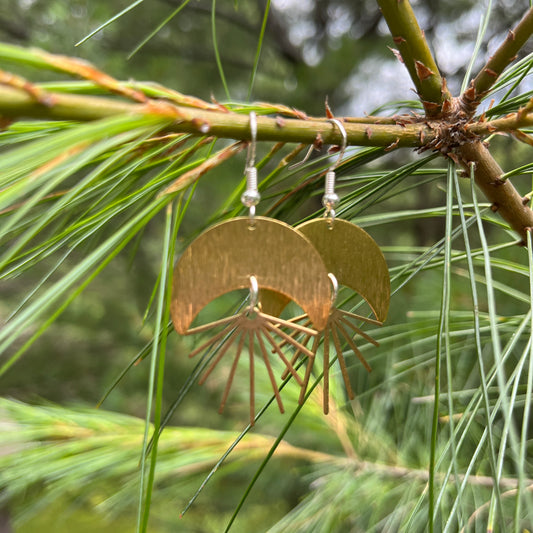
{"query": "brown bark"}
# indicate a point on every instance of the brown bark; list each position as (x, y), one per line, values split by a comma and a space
(504, 197)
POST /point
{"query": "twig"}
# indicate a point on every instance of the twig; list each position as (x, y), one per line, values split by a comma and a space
(416, 55)
(490, 72)
(512, 122)
(501, 193)
(17, 103)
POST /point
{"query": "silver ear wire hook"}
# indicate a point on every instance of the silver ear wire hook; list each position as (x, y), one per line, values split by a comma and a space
(304, 160)
(331, 199)
(344, 135)
(250, 197)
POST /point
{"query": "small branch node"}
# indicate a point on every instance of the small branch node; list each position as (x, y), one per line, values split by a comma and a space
(397, 54)
(494, 207)
(392, 145)
(318, 142)
(422, 71)
(491, 72)
(430, 106)
(468, 101)
(525, 200)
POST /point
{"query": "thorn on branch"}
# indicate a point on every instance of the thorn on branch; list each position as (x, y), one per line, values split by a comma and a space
(444, 88)
(526, 200)
(392, 145)
(422, 71)
(447, 107)
(430, 106)
(396, 54)
(491, 72)
(318, 142)
(329, 113)
(399, 39)
(470, 93)
(468, 100)
(494, 207)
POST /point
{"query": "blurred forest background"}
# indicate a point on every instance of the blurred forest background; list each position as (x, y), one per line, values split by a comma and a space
(312, 51)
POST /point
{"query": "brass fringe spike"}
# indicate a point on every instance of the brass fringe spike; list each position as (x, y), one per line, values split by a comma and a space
(336, 328)
(247, 327)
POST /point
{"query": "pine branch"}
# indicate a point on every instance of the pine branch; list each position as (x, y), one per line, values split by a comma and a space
(504, 197)
(491, 71)
(415, 54)
(511, 123)
(19, 103)
(455, 137)
(447, 127)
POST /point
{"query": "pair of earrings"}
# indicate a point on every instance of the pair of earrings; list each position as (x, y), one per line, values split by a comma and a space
(279, 263)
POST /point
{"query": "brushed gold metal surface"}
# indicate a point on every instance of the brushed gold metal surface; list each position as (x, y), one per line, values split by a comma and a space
(354, 258)
(224, 257)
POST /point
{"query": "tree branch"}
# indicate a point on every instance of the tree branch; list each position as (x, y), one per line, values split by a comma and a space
(504, 55)
(511, 123)
(415, 54)
(504, 197)
(451, 133)
(19, 103)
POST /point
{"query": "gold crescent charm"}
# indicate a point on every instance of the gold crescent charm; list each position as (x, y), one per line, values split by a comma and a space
(224, 257)
(354, 258)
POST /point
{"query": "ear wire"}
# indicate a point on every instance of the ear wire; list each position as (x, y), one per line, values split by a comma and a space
(331, 199)
(251, 196)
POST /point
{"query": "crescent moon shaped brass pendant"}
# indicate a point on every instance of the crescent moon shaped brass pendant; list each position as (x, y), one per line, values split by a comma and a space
(223, 258)
(354, 258)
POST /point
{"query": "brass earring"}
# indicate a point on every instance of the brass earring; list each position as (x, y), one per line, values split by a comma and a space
(353, 259)
(250, 253)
